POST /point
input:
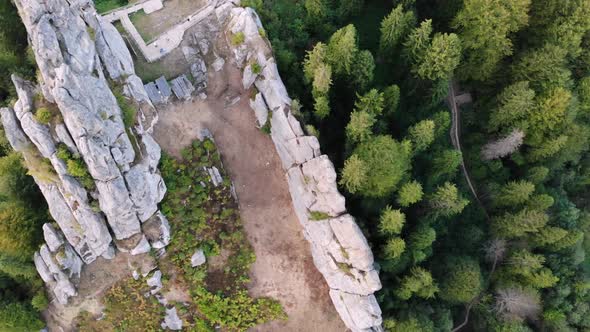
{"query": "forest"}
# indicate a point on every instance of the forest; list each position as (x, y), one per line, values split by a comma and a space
(373, 79)
(487, 234)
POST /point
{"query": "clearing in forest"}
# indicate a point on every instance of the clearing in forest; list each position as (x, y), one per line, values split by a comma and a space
(283, 269)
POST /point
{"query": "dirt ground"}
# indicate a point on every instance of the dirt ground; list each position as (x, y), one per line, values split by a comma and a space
(95, 280)
(284, 268)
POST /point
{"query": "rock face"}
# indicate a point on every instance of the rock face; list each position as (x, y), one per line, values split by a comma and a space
(58, 265)
(76, 51)
(339, 248)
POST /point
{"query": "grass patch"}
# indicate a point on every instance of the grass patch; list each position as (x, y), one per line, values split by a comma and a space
(126, 309)
(137, 18)
(238, 38)
(318, 215)
(38, 166)
(103, 6)
(207, 217)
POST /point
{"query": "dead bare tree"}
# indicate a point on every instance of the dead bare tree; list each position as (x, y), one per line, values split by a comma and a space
(503, 146)
(517, 304)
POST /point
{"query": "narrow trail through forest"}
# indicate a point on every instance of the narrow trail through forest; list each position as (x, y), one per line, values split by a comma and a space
(455, 133)
(284, 268)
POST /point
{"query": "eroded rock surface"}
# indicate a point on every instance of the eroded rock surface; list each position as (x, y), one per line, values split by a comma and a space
(76, 51)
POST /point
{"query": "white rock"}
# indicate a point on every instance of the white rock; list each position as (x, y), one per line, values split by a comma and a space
(198, 258)
(359, 313)
(16, 137)
(53, 238)
(172, 321)
(155, 282)
(142, 247)
(112, 51)
(272, 87)
(64, 137)
(249, 77)
(260, 109)
(218, 64)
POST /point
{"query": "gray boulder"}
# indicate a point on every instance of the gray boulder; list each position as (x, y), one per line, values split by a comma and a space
(171, 320)
(198, 258)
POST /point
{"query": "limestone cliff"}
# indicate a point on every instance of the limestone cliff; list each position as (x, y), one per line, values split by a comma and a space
(81, 60)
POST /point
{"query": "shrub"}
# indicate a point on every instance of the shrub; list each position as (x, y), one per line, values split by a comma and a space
(77, 168)
(238, 38)
(261, 32)
(63, 153)
(40, 301)
(318, 215)
(256, 68)
(128, 111)
(43, 115)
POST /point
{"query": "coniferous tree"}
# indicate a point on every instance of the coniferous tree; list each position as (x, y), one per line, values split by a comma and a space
(394, 28)
(410, 193)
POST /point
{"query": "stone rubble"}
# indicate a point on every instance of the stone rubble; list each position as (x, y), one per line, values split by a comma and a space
(82, 59)
(339, 248)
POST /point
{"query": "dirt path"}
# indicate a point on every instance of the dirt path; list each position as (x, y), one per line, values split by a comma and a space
(283, 269)
(455, 133)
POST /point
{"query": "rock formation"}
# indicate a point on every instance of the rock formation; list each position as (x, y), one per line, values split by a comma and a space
(76, 51)
(339, 248)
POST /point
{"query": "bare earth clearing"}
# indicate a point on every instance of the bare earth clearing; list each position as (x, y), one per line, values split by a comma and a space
(283, 269)
(95, 281)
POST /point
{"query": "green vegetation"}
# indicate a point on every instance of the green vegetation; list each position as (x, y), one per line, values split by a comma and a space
(238, 38)
(126, 309)
(256, 68)
(76, 166)
(207, 218)
(43, 115)
(15, 56)
(22, 208)
(103, 6)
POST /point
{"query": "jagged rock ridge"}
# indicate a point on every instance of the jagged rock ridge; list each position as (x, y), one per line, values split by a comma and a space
(81, 60)
(339, 248)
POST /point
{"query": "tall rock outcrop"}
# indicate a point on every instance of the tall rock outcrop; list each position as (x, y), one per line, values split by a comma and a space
(339, 248)
(85, 72)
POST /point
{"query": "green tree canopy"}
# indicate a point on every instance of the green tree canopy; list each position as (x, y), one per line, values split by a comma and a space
(387, 162)
(391, 221)
(514, 193)
(447, 201)
(441, 58)
(371, 102)
(342, 50)
(360, 126)
(395, 27)
(419, 282)
(421, 135)
(409, 193)
(461, 281)
(484, 26)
